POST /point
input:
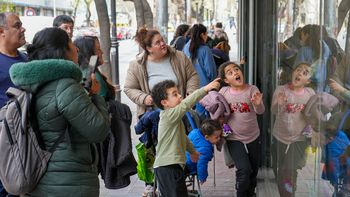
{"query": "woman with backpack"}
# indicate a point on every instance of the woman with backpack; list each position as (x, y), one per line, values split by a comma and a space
(180, 37)
(65, 114)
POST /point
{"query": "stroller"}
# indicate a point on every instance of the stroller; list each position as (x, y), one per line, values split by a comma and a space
(192, 178)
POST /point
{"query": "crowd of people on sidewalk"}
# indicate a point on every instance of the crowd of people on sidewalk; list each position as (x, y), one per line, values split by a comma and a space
(193, 78)
(308, 75)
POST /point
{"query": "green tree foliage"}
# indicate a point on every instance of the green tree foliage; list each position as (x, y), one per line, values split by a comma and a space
(6, 6)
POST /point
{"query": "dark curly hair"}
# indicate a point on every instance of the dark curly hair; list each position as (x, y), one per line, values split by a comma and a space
(209, 126)
(159, 92)
(49, 43)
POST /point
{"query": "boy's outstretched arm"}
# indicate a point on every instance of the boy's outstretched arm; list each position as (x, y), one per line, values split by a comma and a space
(175, 114)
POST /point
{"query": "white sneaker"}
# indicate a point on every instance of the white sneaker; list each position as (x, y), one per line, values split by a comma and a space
(148, 191)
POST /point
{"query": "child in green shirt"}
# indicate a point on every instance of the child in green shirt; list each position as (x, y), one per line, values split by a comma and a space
(172, 139)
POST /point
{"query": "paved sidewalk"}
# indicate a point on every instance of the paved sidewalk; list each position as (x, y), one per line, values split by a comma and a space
(224, 181)
(309, 182)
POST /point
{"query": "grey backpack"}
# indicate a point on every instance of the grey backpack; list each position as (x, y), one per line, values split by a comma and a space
(23, 162)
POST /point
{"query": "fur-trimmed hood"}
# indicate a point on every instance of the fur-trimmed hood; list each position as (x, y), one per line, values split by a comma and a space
(30, 75)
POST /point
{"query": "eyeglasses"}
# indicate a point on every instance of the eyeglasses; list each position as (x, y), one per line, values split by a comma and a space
(158, 43)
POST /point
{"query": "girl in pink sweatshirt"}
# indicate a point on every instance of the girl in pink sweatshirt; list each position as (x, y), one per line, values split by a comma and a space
(290, 130)
(245, 102)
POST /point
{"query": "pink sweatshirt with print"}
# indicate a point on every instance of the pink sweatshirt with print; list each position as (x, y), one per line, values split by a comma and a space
(243, 120)
(290, 120)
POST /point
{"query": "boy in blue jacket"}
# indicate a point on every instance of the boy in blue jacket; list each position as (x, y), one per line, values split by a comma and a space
(203, 140)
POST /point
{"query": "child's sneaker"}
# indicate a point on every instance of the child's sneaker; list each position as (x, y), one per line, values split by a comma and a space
(148, 191)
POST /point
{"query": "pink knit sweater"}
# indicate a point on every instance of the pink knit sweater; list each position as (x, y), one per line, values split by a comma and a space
(243, 119)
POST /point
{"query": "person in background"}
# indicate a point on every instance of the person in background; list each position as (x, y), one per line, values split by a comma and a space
(221, 49)
(180, 38)
(340, 87)
(218, 28)
(203, 140)
(202, 58)
(89, 46)
(310, 52)
(11, 38)
(291, 131)
(245, 102)
(64, 22)
(172, 139)
(156, 63)
(63, 108)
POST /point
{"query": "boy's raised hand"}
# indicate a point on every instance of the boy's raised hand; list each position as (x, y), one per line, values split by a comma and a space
(215, 84)
(257, 98)
(194, 156)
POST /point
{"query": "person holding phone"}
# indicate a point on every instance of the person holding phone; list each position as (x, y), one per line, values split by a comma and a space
(89, 58)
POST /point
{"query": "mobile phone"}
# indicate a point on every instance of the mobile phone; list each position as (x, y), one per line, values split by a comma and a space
(93, 63)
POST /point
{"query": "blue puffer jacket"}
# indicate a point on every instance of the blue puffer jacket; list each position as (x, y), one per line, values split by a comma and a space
(333, 150)
(206, 150)
(148, 125)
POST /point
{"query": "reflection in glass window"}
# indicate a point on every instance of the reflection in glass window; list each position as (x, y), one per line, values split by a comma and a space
(310, 145)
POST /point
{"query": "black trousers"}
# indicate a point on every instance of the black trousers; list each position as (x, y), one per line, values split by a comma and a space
(171, 181)
(286, 160)
(246, 158)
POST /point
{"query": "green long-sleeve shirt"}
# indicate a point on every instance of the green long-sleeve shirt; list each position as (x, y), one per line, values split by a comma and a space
(172, 139)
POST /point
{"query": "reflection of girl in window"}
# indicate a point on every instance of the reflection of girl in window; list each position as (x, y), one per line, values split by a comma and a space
(310, 52)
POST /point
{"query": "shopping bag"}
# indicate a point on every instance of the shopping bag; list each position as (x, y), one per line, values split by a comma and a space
(145, 163)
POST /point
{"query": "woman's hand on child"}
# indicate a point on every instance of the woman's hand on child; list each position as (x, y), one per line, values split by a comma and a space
(257, 98)
(215, 84)
(335, 86)
(194, 156)
(282, 98)
(148, 100)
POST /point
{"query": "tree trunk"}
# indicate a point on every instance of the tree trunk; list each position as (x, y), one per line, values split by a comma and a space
(330, 18)
(140, 21)
(75, 7)
(147, 14)
(347, 42)
(105, 37)
(189, 11)
(181, 10)
(88, 12)
(343, 10)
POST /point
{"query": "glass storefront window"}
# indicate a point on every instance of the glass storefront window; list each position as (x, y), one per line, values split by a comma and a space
(310, 143)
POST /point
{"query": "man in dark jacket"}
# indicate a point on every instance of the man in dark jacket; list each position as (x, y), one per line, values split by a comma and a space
(11, 38)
